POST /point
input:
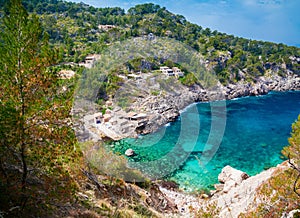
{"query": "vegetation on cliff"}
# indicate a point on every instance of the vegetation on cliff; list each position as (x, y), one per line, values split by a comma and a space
(80, 29)
(42, 170)
(77, 30)
(41, 164)
(38, 145)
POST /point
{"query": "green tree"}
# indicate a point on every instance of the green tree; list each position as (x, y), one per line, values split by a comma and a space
(293, 153)
(36, 141)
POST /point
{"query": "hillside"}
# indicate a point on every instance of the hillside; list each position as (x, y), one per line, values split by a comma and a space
(133, 51)
(242, 66)
(79, 29)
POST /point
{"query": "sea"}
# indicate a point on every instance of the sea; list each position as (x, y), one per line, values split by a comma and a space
(246, 133)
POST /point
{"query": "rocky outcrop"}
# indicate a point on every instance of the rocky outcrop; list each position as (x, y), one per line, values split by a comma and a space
(237, 199)
(172, 97)
(186, 204)
(231, 177)
(167, 109)
(163, 109)
(262, 86)
(239, 194)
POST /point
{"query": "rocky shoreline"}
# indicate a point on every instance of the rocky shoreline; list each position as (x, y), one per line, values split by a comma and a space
(147, 113)
(166, 109)
(236, 194)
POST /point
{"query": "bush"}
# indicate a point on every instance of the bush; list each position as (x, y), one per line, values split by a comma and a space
(107, 163)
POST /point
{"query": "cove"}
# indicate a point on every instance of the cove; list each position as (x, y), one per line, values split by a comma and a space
(246, 133)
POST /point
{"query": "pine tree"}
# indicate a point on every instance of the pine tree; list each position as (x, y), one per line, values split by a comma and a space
(292, 152)
(36, 140)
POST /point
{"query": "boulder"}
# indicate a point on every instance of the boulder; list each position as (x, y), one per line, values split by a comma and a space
(231, 177)
(129, 152)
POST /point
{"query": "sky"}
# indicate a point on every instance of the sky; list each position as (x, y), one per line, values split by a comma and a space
(269, 20)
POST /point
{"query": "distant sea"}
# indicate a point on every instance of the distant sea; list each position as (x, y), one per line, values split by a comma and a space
(246, 133)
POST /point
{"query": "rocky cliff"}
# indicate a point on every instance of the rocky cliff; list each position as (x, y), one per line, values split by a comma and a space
(166, 106)
(142, 106)
(235, 195)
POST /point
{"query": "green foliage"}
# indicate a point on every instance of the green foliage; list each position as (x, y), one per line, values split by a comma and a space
(37, 141)
(293, 150)
(277, 196)
(105, 162)
(144, 9)
(189, 79)
(293, 153)
(155, 92)
(73, 28)
(103, 80)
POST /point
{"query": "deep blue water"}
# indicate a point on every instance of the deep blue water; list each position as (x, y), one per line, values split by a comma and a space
(247, 133)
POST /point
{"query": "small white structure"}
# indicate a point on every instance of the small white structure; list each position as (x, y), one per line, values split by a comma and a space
(131, 114)
(123, 77)
(177, 72)
(164, 69)
(139, 116)
(167, 71)
(134, 76)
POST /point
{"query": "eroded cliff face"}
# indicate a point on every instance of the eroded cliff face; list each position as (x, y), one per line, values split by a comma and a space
(172, 97)
(239, 193)
(144, 105)
(236, 194)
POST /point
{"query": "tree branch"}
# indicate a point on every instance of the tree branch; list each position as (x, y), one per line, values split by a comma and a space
(295, 185)
(298, 177)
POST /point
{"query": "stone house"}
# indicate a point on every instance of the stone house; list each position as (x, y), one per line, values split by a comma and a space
(90, 60)
(167, 71)
(177, 72)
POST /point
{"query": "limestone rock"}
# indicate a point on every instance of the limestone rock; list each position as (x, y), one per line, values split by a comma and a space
(231, 177)
(129, 152)
(219, 187)
(241, 198)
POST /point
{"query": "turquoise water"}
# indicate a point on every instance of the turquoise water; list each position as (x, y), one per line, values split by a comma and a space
(247, 133)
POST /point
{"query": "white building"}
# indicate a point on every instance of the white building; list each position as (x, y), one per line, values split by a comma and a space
(177, 72)
(167, 71)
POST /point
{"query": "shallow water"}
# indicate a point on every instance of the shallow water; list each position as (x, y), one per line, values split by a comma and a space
(247, 133)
